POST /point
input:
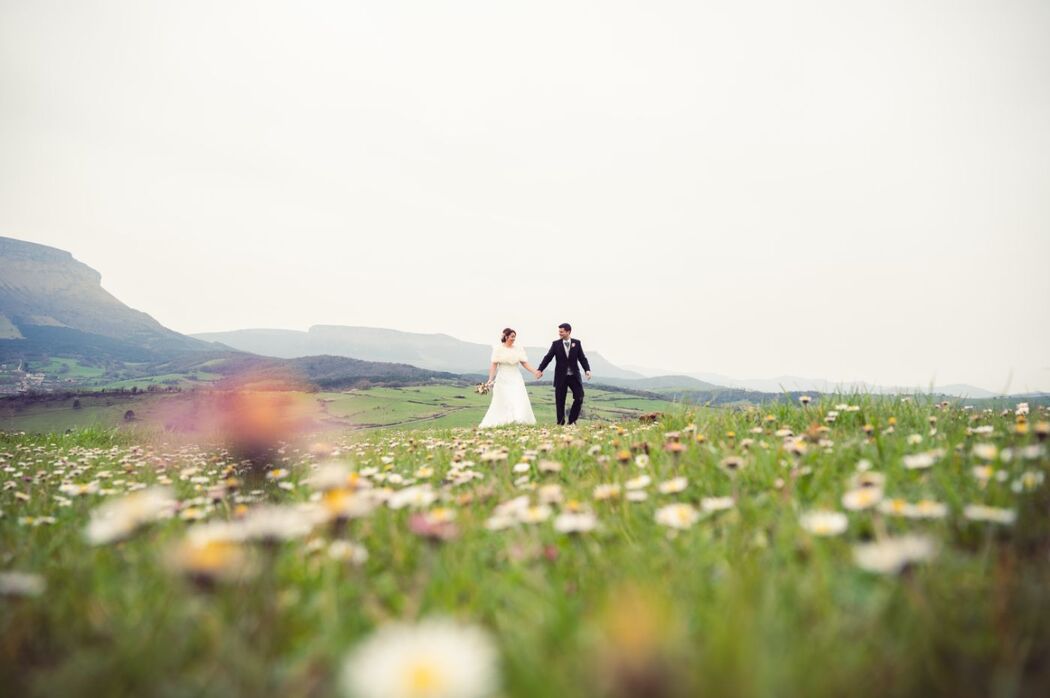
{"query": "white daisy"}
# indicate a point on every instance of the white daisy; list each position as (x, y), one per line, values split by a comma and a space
(534, 514)
(985, 451)
(824, 523)
(861, 498)
(118, 519)
(890, 556)
(416, 497)
(21, 584)
(679, 516)
(920, 461)
(346, 551)
(710, 504)
(575, 522)
(673, 486)
(550, 466)
(436, 658)
(638, 483)
(980, 512)
(272, 523)
(550, 494)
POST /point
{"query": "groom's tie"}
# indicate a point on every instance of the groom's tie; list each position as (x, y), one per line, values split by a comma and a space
(566, 343)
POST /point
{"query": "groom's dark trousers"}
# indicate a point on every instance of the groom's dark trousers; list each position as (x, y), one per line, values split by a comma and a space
(567, 376)
(561, 389)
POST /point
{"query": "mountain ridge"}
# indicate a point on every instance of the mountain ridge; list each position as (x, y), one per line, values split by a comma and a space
(790, 383)
(435, 352)
(51, 302)
(46, 287)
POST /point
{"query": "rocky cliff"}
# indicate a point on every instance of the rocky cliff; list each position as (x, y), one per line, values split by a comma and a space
(44, 287)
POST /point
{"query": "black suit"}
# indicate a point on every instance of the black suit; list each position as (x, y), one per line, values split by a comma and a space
(567, 376)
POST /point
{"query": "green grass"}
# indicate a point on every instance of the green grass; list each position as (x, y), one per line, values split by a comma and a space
(745, 602)
(163, 380)
(437, 406)
(96, 411)
(430, 406)
(66, 368)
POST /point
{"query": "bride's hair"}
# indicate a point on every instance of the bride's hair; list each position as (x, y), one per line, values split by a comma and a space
(506, 333)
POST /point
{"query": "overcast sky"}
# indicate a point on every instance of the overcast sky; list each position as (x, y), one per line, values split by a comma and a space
(843, 190)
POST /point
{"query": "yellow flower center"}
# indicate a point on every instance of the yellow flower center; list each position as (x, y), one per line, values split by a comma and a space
(335, 500)
(424, 679)
(210, 557)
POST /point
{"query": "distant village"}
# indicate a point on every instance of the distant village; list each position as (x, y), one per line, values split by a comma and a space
(15, 380)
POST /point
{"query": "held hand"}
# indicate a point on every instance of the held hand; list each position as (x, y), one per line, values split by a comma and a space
(538, 374)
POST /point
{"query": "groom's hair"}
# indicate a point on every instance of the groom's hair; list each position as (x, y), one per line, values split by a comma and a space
(566, 326)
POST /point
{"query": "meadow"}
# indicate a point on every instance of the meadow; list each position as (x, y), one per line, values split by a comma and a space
(435, 406)
(850, 545)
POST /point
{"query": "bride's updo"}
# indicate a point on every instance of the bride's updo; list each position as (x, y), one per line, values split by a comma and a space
(507, 332)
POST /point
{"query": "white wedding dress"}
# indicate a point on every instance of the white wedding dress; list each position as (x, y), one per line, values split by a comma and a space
(510, 400)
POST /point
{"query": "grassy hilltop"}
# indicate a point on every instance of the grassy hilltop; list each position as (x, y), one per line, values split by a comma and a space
(875, 547)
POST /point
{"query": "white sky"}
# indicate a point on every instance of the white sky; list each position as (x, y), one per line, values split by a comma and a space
(844, 190)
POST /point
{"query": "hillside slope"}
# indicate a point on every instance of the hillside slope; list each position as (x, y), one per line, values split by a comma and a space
(49, 301)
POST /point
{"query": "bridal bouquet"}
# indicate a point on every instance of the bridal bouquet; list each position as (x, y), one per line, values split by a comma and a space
(482, 388)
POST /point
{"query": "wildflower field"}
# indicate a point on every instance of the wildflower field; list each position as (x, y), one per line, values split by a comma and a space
(844, 546)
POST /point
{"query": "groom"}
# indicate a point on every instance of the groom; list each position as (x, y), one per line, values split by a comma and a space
(568, 353)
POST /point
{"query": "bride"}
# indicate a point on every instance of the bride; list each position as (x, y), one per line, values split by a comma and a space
(510, 401)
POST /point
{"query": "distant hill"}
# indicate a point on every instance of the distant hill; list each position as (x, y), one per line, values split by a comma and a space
(50, 302)
(436, 352)
(52, 305)
(820, 385)
(778, 384)
(321, 372)
(659, 383)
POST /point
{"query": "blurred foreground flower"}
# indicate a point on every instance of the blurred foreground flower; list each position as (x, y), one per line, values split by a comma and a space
(273, 523)
(677, 516)
(254, 423)
(21, 584)
(346, 551)
(436, 524)
(861, 498)
(436, 658)
(116, 520)
(673, 486)
(824, 523)
(575, 522)
(210, 552)
(637, 645)
(711, 504)
(923, 509)
(892, 555)
(921, 461)
(980, 512)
